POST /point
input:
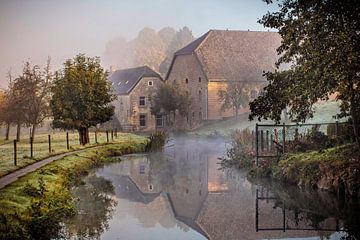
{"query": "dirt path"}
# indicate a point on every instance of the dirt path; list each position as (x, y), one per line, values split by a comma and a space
(12, 177)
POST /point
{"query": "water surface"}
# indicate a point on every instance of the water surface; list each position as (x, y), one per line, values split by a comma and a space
(182, 194)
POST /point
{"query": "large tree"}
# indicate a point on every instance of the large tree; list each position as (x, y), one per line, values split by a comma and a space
(234, 96)
(81, 96)
(321, 43)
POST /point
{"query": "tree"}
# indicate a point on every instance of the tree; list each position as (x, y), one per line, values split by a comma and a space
(235, 95)
(169, 99)
(81, 96)
(321, 43)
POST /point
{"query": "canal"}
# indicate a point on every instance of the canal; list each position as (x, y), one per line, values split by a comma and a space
(182, 193)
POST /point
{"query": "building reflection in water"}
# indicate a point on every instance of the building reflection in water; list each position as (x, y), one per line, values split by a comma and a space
(184, 188)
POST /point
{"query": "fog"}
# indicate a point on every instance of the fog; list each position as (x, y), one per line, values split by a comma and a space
(34, 30)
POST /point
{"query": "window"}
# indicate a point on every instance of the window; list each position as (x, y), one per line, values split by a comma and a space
(199, 79)
(142, 101)
(151, 187)
(186, 81)
(142, 120)
(193, 114)
(253, 94)
(159, 121)
(199, 95)
(150, 83)
(200, 115)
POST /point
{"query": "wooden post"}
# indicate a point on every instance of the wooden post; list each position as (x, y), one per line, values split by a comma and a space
(96, 136)
(267, 140)
(31, 147)
(262, 140)
(49, 140)
(15, 152)
(337, 130)
(107, 136)
(112, 135)
(284, 137)
(252, 140)
(67, 141)
(257, 144)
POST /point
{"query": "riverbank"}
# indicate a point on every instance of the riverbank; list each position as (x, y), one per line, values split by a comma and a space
(335, 169)
(34, 206)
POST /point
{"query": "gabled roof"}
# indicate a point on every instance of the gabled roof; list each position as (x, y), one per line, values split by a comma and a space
(234, 55)
(123, 81)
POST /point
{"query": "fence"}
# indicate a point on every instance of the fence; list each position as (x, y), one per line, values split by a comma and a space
(15, 154)
(271, 140)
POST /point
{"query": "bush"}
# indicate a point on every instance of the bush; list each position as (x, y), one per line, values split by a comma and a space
(240, 153)
(156, 141)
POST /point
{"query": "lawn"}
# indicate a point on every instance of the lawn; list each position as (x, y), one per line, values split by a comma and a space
(41, 148)
(324, 112)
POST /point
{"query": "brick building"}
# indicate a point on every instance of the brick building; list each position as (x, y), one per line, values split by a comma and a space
(133, 88)
(217, 58)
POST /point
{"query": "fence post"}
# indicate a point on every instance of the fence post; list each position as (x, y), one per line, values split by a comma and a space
(49, 140)
(67, 141)
(15, 152)
(257, 144)
(267, 140)
(337, 130)
(271, 142)
(284, 138)
(96, 136)
(262, 140)
(107, 135)
(31, 147)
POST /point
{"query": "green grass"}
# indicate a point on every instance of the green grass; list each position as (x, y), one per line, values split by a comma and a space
(324, 112)
(58, 177)
(41, 149)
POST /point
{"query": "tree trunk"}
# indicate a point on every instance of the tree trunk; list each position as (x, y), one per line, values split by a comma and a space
(83, 135)
(236, 112)
(33, 130)
(7, 131)
(18, 130)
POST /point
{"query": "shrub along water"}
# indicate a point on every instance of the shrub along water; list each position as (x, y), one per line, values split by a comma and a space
(35, 206)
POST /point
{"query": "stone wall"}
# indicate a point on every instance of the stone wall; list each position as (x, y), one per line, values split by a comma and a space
(187, 72)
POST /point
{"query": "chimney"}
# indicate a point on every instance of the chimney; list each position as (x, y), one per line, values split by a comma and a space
(112, 68)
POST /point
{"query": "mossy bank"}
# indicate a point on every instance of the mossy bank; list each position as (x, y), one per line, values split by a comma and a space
(335, 169)
(34, 206)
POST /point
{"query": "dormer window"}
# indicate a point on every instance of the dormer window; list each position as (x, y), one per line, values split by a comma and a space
(150, 83)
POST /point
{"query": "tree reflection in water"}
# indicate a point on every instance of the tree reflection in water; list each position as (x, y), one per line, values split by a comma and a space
(96, 204)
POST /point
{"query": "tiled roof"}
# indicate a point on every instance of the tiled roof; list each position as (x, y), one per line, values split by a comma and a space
(123, 81)
(234, 55)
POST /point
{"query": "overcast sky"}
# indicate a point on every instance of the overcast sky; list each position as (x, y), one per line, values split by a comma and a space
(35, 29)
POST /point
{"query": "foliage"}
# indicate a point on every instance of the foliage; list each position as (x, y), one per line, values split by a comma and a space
(156, 141)
(345, 132)
(240, 153)
(320, 40)
(38, 213)
(169, 99)
(235, 95)
(81, 96)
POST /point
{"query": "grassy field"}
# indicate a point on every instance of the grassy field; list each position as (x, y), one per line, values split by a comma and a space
(324, 112)
(41, 148)
(25, 212)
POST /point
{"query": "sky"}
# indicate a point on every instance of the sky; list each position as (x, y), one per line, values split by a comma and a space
(33, 30)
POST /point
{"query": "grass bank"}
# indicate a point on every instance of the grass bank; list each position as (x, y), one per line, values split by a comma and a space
(34, 206)
(335, 169)
(41, 148)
